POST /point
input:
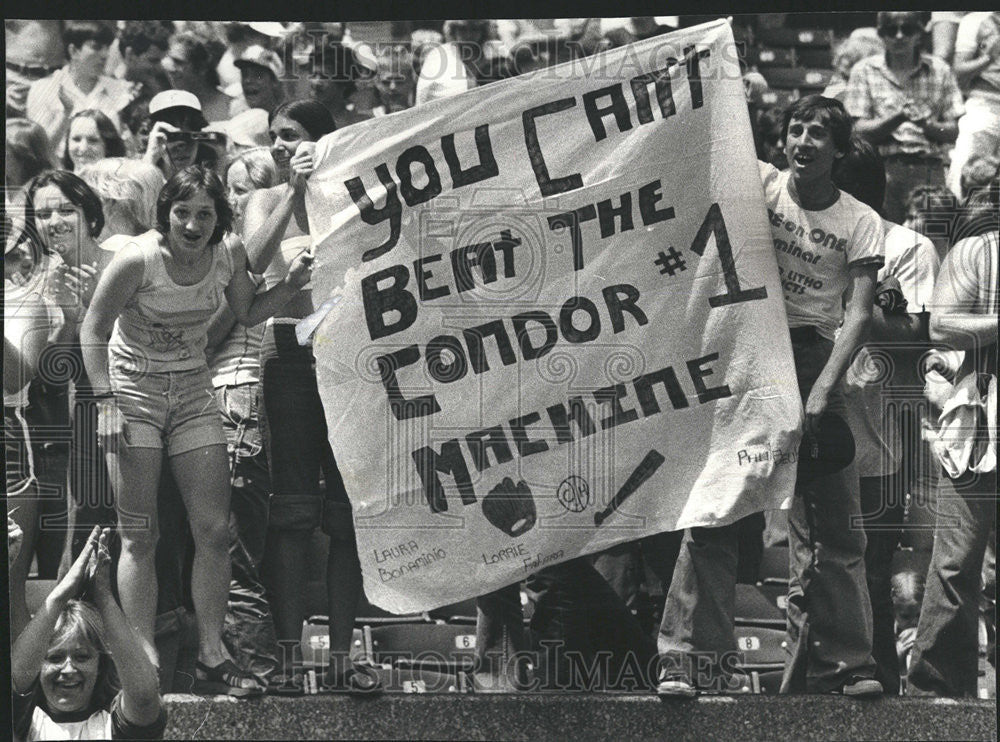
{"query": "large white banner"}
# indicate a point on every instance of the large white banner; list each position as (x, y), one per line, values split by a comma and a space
(553, 319)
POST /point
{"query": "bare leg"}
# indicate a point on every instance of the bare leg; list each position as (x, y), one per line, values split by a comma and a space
(135, 473)
(203, 479)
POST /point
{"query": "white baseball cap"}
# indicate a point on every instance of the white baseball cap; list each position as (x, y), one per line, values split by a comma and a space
(174, 99)
(261, 57)
(273, 29)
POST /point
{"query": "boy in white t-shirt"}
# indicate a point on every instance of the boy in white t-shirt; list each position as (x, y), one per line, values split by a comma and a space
(829, 247)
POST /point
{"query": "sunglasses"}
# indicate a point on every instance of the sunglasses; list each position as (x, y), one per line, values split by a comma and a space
(908, 29)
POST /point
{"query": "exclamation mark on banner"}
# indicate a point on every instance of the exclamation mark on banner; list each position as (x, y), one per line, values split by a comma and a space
(650, 463)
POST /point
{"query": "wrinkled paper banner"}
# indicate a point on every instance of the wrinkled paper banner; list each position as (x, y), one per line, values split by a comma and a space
(561, 324)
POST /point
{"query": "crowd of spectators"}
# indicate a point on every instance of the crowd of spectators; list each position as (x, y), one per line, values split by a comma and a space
(155, 218)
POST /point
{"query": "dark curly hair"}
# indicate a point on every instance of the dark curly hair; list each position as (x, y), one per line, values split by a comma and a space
(184, 185)
(73, 188)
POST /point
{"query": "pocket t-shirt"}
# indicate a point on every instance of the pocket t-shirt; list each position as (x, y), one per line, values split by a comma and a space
(815, 250)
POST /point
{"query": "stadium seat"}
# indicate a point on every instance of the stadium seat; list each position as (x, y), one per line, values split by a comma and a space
(785, 78)
(763, 649)
(776, 593)
(765, 56)
(457, 613)
(774, 565)
(779, 98)
(421, 680)
(433, 646)
(316, 642)
(754, 608)
(814, 57)
(371, 615)
(767, 682)
(797, 37)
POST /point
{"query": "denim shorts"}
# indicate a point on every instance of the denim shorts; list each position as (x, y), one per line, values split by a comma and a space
(172, 408)
(298, 445)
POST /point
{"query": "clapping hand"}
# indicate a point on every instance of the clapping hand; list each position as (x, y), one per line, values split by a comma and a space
(76, 578)
(66, 99)
(99, 567)
(74, 285)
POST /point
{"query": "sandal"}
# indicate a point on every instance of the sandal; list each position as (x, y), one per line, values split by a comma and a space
(358, 680)
(286, 683)
(227, 678)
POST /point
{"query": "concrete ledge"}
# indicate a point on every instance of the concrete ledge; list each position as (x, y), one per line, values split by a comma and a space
(580, 717)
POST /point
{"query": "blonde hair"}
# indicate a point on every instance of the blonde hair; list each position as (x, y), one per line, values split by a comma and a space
(133, 184)
(259, 164)
(853, 49)
(80, 618)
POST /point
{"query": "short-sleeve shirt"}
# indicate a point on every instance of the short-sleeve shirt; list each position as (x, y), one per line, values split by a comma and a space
(93, 723)
(911, 259)
(443, 74)
(975, 34)
(874, 91)
(815, 250)
(45, 108)
(164, 326)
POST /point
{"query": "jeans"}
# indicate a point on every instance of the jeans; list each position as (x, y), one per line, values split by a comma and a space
(696, 640)
(298, 445)
(647, 563)
(248, 632)
(945, 657)
(882, 506)
(47, 416)
(500, 637)
(829, 611)
(583, 638)
(174, 410)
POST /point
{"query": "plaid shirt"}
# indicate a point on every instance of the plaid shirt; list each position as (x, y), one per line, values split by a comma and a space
(874, 91)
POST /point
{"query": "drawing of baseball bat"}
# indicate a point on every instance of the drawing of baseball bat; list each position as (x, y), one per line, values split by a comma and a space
(650, 463)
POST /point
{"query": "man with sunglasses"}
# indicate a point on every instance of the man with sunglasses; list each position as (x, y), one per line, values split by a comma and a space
(907, 104)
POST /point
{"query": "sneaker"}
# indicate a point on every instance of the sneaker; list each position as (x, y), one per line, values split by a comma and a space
(676, 687)
(859, 687)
